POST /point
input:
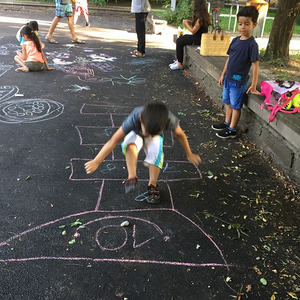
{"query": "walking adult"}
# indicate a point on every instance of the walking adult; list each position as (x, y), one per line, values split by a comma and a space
(198, 25)
(63, 9)
(141, 9)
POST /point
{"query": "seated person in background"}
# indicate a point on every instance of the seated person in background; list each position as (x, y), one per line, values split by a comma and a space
(198, 25)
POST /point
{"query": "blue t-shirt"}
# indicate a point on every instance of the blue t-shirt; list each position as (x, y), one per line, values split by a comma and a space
(133, 121)
(241, 54)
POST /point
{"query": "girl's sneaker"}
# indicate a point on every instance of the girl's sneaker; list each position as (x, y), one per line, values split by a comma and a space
(173, 63)
(175, 66)
(153, 194)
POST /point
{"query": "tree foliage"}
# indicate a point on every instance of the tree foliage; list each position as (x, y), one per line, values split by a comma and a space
(282, 30)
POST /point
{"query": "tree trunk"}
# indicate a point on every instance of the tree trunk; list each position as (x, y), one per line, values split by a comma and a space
(282, 30)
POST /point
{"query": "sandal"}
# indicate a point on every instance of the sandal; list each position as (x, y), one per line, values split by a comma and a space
(137, 53)
(51, 40)
(78, 41)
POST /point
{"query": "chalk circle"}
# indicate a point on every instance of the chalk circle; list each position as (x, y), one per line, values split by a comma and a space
(111, 237)
(29, 110)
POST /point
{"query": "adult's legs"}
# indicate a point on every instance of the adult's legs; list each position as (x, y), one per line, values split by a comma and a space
(140, 26)
(71, 27)
(183, 40)
(53, 25)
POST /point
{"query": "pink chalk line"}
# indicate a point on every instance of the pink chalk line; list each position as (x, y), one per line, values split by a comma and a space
(119, 260)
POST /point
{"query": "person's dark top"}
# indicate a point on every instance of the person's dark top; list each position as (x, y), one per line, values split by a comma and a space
(202, 29)
(133, 121)
(241, 54)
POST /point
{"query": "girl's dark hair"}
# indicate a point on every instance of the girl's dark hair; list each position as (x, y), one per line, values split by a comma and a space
(32, 36)
(33, 25)
(155, 117)
(250, 12)
(201, 13)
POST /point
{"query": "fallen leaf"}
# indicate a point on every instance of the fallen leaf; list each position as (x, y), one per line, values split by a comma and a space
(263, 281)
(248, 288)
(293, 295)
(273, 297)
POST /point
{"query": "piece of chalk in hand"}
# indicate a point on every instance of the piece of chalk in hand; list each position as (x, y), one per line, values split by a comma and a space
(125, 223)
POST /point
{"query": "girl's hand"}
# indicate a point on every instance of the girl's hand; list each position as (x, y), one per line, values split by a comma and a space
(186, 22)
(194, 159)
(91, 166)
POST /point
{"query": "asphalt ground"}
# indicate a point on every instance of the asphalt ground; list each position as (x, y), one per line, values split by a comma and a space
(227, 230)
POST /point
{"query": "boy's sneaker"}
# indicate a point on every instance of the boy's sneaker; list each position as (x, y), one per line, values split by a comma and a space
(226, 134)
(153, 194)
(219, 126)
(130, 184)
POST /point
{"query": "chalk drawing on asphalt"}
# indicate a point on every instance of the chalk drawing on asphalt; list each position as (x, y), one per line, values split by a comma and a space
(29, 110)
(26, 110)
(4, 69)
(77, 88)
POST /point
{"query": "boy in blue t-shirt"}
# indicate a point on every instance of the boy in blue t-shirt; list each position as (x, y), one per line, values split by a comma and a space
(143, 128)
(243, 53)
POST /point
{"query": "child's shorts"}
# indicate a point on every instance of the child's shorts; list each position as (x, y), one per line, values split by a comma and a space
(153, 147)
(233, 94)
(34, 66)
(63, 10)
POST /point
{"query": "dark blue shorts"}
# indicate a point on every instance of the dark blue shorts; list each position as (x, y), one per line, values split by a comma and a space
(233, 94)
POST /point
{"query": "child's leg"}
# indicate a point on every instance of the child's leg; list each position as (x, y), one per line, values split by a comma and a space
(21, 62)
(236, 113)
(131, 160)
(131, 146)
(86, 16)
(76, 15)
(228, 113)
(153, 175)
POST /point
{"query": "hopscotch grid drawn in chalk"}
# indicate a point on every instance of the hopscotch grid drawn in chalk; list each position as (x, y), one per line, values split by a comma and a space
(87, 74)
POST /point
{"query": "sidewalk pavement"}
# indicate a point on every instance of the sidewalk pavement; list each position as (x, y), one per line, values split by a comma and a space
(225, 229)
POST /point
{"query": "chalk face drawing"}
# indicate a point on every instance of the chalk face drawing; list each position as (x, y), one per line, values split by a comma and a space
(26, 110)
(29, 110)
